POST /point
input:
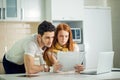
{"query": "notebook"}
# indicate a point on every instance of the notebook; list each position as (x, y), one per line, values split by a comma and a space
(68, 60)
(105, 64)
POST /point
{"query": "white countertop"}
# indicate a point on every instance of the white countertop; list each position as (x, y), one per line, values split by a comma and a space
(62, 76)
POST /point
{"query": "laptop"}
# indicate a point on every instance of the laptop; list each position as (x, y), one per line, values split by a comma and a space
(105, 64)
(68, 60)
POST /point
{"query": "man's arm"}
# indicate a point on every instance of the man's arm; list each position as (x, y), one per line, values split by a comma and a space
(30, 67)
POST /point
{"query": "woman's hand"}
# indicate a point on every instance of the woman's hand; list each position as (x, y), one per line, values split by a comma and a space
(79, 68)
(56, 67)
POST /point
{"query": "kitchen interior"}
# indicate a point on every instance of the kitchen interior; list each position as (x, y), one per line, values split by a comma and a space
(20, 18)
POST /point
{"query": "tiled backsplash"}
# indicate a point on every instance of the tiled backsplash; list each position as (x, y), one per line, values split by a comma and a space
(11, 32)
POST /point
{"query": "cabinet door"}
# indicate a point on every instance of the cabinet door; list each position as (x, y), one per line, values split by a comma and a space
(65, 9)
(32, 10)
(11, 10)
(97, 34)
(1, 11)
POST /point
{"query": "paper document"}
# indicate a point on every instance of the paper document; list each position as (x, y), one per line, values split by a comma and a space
(68, 60)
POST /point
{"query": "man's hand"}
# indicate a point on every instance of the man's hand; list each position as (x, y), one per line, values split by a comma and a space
(46, 68)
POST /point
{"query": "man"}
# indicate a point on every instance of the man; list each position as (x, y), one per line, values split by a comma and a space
(20, 58)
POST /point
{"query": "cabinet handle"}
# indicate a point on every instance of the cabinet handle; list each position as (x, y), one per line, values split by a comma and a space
(3, 13)
(22, 11)
(0, 13)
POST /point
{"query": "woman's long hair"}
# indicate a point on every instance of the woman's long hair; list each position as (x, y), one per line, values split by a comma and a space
(64, 27)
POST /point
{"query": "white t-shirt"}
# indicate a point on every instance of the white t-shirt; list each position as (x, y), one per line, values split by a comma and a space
(28, 45)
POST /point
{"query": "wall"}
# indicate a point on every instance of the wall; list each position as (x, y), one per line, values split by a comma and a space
(11, 32)
(115, 7)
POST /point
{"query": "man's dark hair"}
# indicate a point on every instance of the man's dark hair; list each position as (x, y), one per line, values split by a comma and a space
(45, 26)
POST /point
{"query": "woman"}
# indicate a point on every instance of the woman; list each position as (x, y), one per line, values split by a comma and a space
(62, 42)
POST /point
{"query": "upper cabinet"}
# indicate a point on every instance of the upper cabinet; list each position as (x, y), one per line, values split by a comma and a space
(9, 10)
(32, 10)
(67, 11)
(37, 10)
(22, 10)
(64, 9)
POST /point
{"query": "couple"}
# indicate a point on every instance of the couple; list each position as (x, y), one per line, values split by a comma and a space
(20, 58)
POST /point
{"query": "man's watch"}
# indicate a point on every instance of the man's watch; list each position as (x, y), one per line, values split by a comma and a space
(45, 67)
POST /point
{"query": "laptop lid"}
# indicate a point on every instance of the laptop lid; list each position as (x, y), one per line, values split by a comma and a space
(105, 64)
(68, 60)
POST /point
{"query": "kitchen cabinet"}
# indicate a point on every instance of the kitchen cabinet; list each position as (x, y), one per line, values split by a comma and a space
(67, 11)
(97, 34)
(32, 10)
(22, 10)
(9, 10)
(64, 9)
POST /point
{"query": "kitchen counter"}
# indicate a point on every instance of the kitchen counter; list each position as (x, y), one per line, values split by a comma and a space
(61, 76)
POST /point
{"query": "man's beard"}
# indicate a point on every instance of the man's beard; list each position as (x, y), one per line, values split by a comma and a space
(45, 44)
(44, 47)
